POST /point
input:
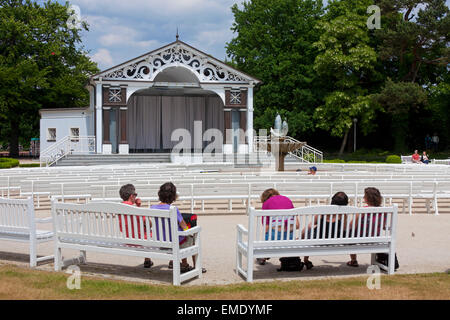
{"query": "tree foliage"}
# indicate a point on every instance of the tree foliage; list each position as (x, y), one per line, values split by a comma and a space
(330, 68)
(345, 62)
(42, 65)
(274, 42)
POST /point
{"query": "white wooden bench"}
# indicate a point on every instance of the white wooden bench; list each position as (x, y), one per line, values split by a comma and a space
(18, 223)
(252, 244)
(406, 159)
(96, 227)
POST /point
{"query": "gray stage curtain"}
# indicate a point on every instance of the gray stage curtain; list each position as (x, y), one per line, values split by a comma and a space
(215, 119)
(144, 122)
(145, 128)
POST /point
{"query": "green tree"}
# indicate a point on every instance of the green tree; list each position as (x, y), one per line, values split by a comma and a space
(413, 46)
(402, 100)
(42, 64)
(274, 42)
(345, 64)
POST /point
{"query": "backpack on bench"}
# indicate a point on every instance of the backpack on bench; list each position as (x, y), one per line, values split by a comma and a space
(291, 264)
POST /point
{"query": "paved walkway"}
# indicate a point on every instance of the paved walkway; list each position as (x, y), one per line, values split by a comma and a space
(423, 246)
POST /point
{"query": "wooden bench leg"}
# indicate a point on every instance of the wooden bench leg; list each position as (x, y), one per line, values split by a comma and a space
(250, 268)
(58, 259)
(33, 253)
(176, 272)
(391, 262)
(436, 210)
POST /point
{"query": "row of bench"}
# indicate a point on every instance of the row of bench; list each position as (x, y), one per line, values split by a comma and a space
(95, 227)
(407, 191)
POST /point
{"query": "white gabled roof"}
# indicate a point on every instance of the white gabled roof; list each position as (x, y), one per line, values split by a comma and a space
(176, 54)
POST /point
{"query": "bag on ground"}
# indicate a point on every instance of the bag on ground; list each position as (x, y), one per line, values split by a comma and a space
(383, 258)
(291, 264)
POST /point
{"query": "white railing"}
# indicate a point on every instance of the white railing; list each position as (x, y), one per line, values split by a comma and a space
(65, 146)
(306, 154)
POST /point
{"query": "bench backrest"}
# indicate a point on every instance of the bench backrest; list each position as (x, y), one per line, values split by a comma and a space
(16, 216)
(115, 222)
(376, 224)
(406, 159)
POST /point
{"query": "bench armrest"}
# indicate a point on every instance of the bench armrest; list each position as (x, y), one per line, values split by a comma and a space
(45, 220)
(241, 229)
(190, 231)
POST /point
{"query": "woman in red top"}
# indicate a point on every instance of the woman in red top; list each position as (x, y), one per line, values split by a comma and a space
(129, 196)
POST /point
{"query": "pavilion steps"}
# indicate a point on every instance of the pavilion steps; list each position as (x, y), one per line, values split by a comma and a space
(240, 160)
(100, 159)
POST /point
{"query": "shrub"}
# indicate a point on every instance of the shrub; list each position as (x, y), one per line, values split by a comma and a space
(29, 165)
(6, 163)
(393, 159)
(334, 161)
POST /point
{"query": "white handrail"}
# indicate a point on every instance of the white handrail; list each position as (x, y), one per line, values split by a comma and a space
(306, 153)
(65, 146)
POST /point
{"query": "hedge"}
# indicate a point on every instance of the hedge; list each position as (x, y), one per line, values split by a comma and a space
(393, 159)
(29, 165)
(7, 163)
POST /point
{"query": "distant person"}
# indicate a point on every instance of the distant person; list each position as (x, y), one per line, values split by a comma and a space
(428, 142)
(272, 200)
(129, 196)
(424, 158)
(167, 195)
(435, 141)
(331, 223)
(312, 171)
(415, 158)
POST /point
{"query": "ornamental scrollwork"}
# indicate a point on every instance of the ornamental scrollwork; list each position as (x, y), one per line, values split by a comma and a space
(206, 69)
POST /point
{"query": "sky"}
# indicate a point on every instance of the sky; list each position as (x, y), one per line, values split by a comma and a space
(120, 30)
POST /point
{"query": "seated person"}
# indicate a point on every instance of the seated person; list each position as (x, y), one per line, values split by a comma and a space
(272, 200)
(415, 158)
(312, 171)
(424, 158)
(339, 199)
(167, 195)
(129, 196)
(372, 198)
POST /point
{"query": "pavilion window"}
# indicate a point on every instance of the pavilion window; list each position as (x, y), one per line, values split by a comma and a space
(51, 134)
(74, 134)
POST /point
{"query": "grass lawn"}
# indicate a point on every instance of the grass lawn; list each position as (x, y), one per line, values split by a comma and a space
(23, 283)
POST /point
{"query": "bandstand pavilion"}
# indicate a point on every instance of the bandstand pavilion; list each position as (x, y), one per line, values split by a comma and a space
(136, 106)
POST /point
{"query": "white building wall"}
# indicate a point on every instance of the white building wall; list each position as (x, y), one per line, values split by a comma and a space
(63, 120)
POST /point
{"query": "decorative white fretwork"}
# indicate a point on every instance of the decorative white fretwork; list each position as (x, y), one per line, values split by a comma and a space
(177, 54)
(115, 95)
(235, 97)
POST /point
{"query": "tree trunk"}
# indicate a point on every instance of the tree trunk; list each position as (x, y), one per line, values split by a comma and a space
(14, 139)
(400, 124)
(344, 143)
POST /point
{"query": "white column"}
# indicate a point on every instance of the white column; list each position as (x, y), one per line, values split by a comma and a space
(99, 118)
(250, 119)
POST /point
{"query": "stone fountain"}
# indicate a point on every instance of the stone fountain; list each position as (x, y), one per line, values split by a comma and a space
(279, 144)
